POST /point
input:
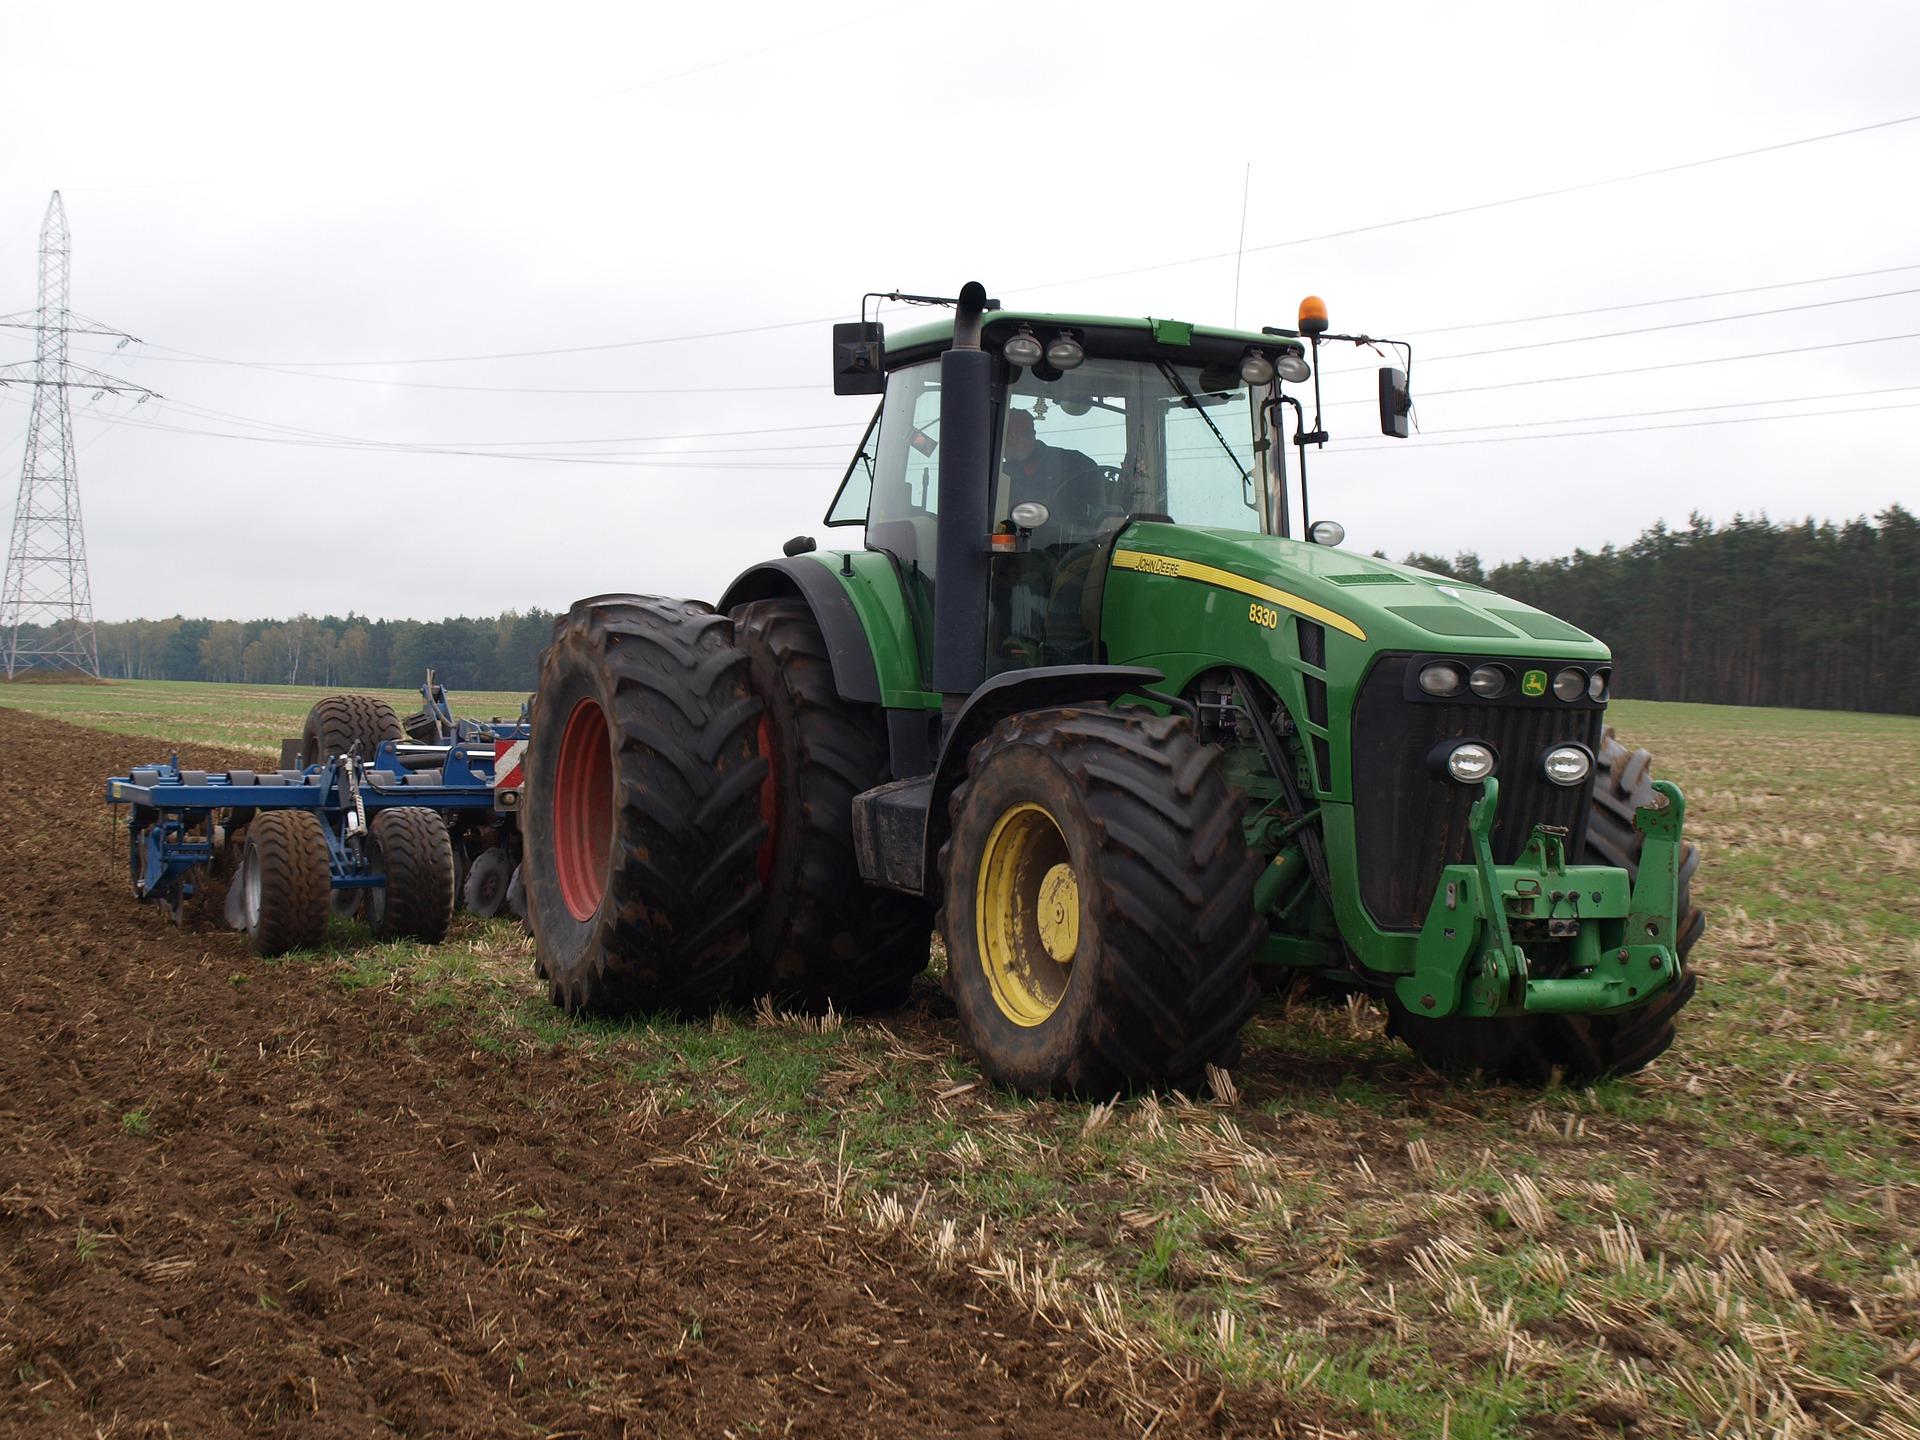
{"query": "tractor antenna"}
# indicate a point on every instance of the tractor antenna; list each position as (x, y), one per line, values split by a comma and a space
(46, 607)
(1246, 185)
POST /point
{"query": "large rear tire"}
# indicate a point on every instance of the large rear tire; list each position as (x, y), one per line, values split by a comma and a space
(338, 723)
(641, 809)
(1578, 1049)
(280, 889)
(821, 936)
(412, 848)
(1099, 905)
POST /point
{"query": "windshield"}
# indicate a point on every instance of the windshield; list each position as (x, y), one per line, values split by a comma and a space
(1118, 437)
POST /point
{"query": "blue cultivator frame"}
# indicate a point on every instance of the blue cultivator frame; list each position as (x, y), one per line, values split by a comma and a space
(179, 820)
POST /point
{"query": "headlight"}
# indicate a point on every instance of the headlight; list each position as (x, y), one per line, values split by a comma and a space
(1566, 764)
(1597, 687)
(1065, 352)
(1570, 684)
(1327, 532)
(1023, 349)
(1470, 763)
(1490, 682)
(1292, 366)
(1256, 369)
(1442, 679)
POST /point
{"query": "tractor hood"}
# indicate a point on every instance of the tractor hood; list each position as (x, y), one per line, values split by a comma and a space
(1388, 606)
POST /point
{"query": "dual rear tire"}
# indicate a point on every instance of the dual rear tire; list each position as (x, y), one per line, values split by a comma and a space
(642, 808)
(688, 816)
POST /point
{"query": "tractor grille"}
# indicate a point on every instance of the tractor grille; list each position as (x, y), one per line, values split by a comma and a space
(1409, 825)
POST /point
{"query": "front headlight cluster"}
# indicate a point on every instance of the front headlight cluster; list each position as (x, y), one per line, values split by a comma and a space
(1492, 681)
(1468, 762)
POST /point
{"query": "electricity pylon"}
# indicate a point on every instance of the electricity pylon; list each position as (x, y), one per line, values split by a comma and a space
(47, 593)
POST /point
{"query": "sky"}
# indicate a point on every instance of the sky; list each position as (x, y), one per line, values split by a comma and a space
(328, 204)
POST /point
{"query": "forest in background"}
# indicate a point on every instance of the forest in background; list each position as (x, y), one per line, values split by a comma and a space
(1812, 615)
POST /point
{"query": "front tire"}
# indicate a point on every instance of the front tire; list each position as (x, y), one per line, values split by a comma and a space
(1578, 1049)
(641, 808)
(1099, 905)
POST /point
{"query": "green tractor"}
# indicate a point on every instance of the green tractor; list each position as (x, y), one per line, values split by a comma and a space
(1095, 703)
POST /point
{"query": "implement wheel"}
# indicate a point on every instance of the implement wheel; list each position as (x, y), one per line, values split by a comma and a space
(484, 890)
(338, 723)
(411, 846)
(821, 936)
(1577, 1049)
(278, 894)
(642, 808)
(1099, 905)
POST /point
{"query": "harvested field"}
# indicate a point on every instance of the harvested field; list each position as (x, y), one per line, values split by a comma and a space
(380, 1185)
(238, 1197)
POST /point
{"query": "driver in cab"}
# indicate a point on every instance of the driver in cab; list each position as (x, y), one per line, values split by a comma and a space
(1067, 482)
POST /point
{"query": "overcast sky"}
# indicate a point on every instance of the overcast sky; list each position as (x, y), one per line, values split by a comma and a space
(309, 187)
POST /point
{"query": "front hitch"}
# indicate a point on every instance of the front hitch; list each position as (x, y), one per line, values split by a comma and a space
(1604, 944)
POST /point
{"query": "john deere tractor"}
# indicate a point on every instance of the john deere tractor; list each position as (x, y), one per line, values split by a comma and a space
(1087, 694)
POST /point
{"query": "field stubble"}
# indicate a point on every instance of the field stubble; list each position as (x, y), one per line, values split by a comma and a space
(1724, 1245)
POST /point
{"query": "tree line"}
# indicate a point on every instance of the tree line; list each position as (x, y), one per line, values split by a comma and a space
(1814, 615)
(491, 652)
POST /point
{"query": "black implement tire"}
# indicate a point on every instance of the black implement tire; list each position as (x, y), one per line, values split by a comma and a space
(1109, 835)
(484, 888)
(411, 847)
(821, 935)
(1578, 1049)
(642, 808)
(339, 722)
(286, 881)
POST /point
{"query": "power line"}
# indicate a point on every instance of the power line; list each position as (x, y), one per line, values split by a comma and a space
(1676, 410)
(1671, 325)
(1647, 304)
(186, 356)
(522, 389)
(175, 356)
(1644, 329)
(666, 460)
(763, 50)
(189, 357)
(205, 411)
(1639, 429)
(1646, 369)
(1488, 204)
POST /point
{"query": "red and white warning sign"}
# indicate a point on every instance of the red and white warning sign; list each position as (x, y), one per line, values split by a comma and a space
(509, 764)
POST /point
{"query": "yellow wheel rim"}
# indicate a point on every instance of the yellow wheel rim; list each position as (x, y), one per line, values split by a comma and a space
(1027, 914)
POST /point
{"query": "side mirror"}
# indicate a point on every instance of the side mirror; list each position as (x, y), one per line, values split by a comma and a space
(1396, 401)
(859, 358)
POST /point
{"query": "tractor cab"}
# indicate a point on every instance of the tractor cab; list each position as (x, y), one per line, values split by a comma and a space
(1093, 423)
(1080, 443)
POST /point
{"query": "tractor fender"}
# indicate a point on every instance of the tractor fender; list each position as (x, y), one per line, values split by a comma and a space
(1011, 693)
(848, 648)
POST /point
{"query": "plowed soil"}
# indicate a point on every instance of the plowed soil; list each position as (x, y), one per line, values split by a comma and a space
(235, 1197)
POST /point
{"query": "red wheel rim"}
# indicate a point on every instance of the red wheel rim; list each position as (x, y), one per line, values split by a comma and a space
(583, 810)
(769, 798)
